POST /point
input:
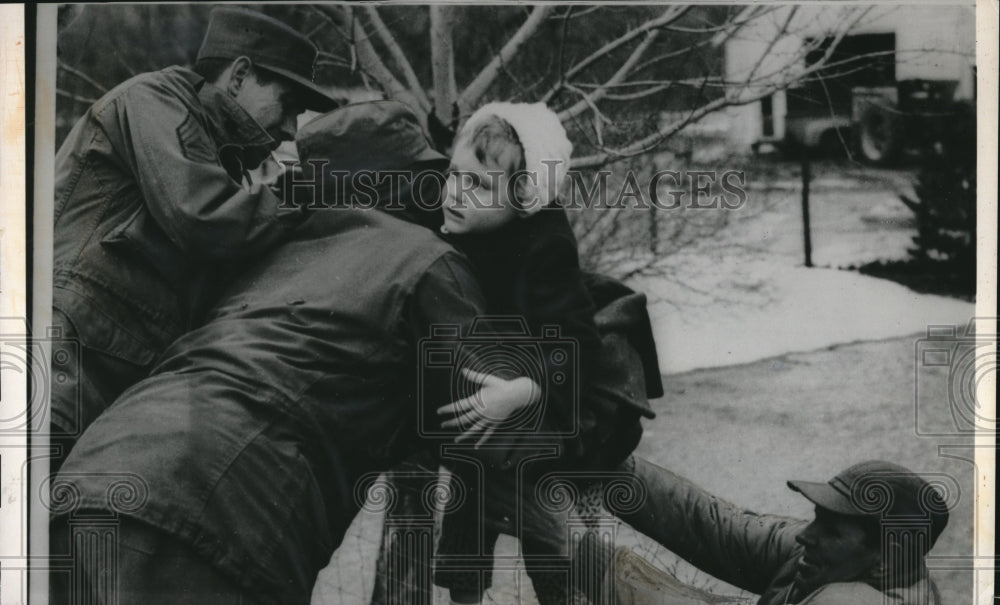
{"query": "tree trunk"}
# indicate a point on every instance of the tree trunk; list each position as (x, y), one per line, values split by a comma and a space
(443, 62)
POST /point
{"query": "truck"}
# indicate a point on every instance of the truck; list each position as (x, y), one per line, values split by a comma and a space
(884, 93)
(881, 124)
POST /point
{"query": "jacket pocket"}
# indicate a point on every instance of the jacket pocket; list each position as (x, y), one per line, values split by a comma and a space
(98, 331)
(140, 235)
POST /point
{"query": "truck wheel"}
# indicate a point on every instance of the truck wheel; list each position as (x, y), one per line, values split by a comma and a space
(878, 136)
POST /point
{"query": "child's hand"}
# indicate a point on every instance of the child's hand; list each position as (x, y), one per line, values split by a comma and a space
(491, 405)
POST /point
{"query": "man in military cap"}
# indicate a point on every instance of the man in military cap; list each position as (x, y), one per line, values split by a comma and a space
(873, 526)
(154, 197)
(243, 451)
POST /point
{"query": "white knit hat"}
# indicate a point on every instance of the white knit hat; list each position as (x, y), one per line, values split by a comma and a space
(547, 150)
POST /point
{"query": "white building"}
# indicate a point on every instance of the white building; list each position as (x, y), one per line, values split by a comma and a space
(925, 41)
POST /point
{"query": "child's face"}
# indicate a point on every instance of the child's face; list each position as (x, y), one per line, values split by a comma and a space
(476, 196)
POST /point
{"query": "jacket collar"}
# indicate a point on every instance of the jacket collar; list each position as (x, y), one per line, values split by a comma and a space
(229, 124)
(233, 127)
(232, 124)
(911, 590)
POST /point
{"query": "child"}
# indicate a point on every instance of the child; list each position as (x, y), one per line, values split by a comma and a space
(500, 210)
(527, 260)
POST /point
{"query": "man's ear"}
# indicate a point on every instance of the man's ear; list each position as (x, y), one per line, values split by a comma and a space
(241, 68)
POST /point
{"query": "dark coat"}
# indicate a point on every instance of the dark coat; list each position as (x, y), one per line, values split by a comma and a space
(530, 269)
(250, 436)
(148, 201)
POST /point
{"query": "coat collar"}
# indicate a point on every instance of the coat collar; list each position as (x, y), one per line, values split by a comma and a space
(912, 590)
(229, 124)
(233, 127)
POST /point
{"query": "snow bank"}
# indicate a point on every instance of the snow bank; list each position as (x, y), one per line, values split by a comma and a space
(746, 311)
(737, 312)
(743, 294)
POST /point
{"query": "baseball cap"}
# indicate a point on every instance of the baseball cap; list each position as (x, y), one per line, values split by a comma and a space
(879, 488)
(271, 45)
(373, 135)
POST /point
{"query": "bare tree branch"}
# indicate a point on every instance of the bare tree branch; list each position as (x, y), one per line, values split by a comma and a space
(733, 26)
(774, 40)
(370, 61)
(571, 14)
(597, 230)
(670, 55)
(562, 44)
(526, 90)
(79, 74)
(747, 15)
(631, 96)
(332, 16)
(652, 141)
(443, 61)
(618, 77)
(78, 98)
(669, 16)
(315, 30)
(741, 94)
(477, 88)
(120, 57)
(398, 57)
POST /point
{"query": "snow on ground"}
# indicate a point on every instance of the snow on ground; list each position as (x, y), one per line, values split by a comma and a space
(808, 309)
(746, 294)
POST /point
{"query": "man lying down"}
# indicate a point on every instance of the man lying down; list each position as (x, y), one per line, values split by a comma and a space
(245, 445)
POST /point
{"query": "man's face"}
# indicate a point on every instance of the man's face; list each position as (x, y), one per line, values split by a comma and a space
(476, 196)
(274, 105)
(836, 550)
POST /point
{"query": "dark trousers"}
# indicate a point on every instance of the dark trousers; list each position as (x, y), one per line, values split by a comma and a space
(500, 503)
(483, 508)
(84, 383)
(123, 561)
